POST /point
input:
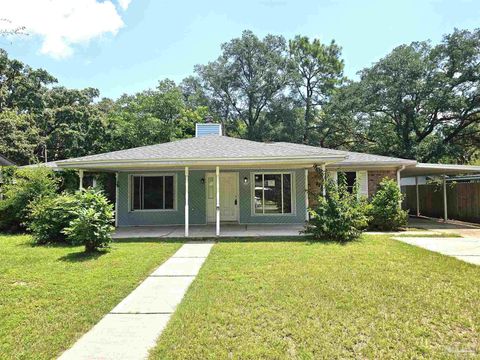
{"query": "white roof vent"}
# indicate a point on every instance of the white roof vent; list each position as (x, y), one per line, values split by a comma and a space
(208, 129)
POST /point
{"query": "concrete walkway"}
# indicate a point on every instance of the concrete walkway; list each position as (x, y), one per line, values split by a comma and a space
(465, 249)
(131, 329)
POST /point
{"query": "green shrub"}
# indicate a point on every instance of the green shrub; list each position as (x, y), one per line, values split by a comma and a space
(49, 216)
(385, 211)
(340, 216)
(25, 186)
(92, 221)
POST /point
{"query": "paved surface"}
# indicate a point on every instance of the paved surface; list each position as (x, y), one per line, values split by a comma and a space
(454, 227)
(207, 231)
(131, 329)
(465, 249)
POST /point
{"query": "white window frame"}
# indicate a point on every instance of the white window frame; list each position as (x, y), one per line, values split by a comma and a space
(293, 197)
(130, 199)
(356, 171)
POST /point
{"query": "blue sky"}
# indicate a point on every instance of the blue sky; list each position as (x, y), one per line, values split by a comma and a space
(128, 46)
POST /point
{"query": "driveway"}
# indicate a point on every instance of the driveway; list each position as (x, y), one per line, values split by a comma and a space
(466, 248)
(454, 227)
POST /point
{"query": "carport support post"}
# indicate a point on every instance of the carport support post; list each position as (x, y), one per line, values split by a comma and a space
(116, 199)
(306, 194)
(445, 212)
(217, 227)
(324, 180)
(417, 196)
(80, 178)
(186, 201)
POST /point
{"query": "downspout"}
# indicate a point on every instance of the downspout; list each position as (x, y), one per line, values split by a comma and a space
(398, 182)
(400, 169)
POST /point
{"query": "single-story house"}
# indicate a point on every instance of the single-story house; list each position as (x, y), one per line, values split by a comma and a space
(216, 179)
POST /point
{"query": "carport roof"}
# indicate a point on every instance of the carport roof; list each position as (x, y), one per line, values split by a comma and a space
(425, 169)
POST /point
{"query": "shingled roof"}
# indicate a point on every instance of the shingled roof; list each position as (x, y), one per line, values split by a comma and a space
(212, 148)
(356, 158)
(209, 147)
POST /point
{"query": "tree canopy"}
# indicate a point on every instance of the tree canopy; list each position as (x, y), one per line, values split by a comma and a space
(421, 101)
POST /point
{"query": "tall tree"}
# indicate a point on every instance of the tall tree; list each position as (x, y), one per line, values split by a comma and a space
(22, 87)
(420, 100)
(247, 77)
(72, 124)
(318, 70)
(19, 136)
(152, 116)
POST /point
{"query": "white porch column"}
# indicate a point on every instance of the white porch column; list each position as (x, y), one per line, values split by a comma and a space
(324, 179)
(217, 174)
(445, 205)
(417, 196)
(306, 194)
(80, 177)
(116, 199)
(186, 202)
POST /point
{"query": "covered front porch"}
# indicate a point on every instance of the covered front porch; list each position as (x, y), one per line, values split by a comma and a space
(206, 231)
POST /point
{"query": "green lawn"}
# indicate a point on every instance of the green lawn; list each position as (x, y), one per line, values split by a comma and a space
(50, 296)
(375, 298)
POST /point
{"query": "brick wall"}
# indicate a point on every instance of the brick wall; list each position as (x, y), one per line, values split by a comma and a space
(314, 187)
(376, 176)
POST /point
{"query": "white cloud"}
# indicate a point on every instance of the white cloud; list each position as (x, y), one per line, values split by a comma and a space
(61, 24)
(124, 4)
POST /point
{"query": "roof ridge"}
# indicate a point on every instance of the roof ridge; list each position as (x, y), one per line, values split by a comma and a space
(281, 143)
(383, 156)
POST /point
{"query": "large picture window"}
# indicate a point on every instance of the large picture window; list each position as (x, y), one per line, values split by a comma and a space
(273, 193)
(152, 192)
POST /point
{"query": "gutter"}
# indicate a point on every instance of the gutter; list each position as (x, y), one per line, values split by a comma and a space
(195, 162)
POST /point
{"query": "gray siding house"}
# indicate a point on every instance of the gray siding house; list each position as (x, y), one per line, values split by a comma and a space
(216, 179)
